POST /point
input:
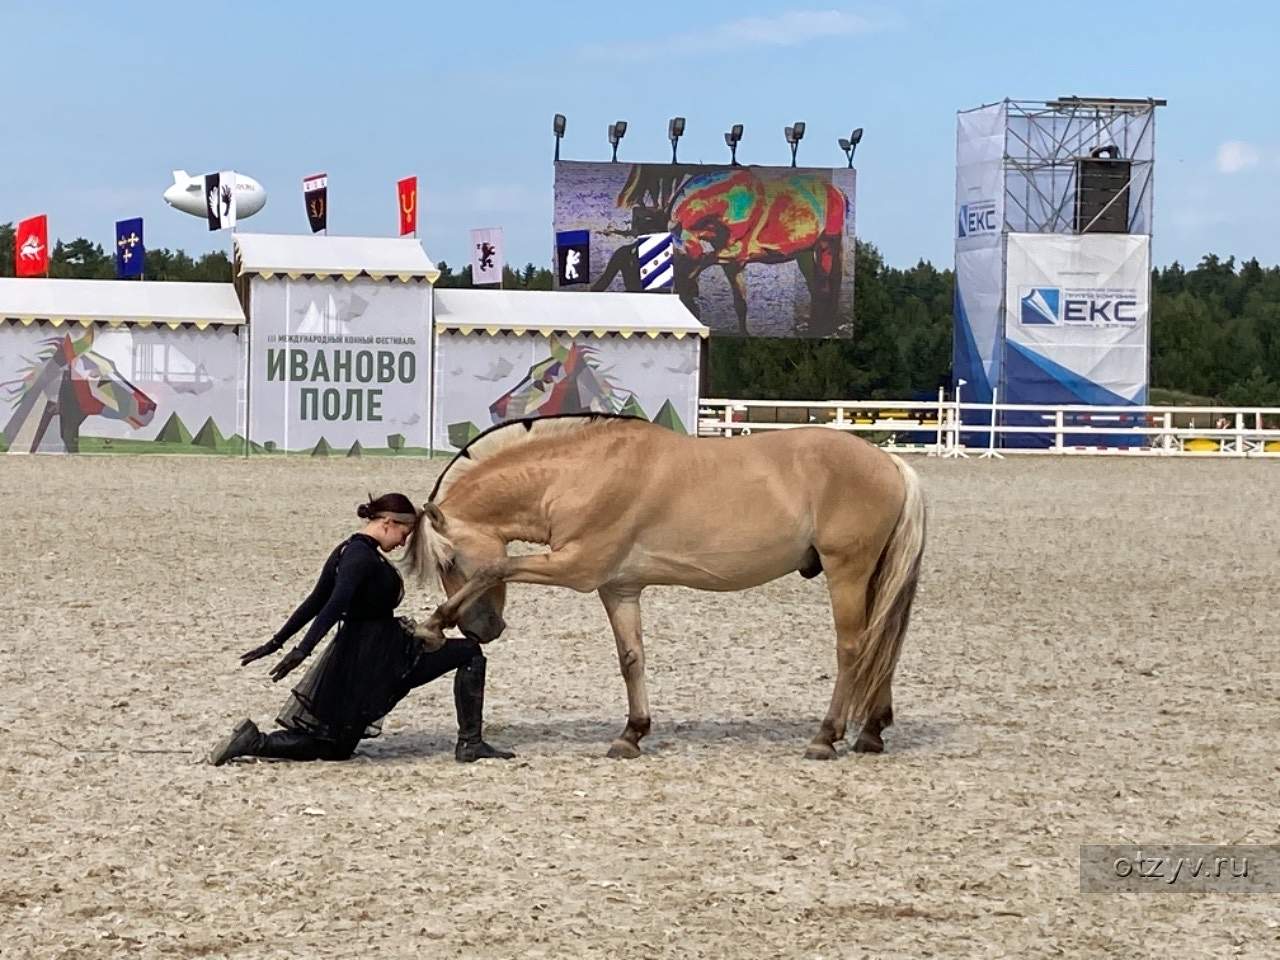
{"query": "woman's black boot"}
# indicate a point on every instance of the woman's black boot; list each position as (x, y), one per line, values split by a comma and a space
(243, 741)
(468, 698)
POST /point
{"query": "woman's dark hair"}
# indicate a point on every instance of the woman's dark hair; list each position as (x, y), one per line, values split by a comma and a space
(387, 503)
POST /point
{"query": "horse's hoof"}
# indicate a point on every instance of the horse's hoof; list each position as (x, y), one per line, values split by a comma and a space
(623, 750)
(820, 751)
(867, 743)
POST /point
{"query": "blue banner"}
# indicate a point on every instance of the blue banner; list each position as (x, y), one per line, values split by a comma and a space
(131, 253)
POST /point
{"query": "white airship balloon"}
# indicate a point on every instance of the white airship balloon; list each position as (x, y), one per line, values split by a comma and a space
(187, 195)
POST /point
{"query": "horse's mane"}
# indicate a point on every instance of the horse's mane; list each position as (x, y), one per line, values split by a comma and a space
(17, 387)
(515, 433)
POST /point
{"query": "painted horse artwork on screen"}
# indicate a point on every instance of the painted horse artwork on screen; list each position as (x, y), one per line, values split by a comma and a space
(624, 504)
(732, 218)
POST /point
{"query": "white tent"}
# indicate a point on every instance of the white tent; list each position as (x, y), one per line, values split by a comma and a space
(340, 351)
(268, 255)
(29, 300)
(95, 366)
(545, 311)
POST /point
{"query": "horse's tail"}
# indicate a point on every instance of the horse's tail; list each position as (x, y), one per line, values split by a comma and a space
(889, 597)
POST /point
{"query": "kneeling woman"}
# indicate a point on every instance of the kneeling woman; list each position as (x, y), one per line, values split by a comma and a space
(374, 660)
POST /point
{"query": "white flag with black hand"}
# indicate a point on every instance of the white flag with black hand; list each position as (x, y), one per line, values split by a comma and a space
(220, 199)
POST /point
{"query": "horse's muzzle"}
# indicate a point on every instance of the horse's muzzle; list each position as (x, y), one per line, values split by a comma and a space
(483, 629)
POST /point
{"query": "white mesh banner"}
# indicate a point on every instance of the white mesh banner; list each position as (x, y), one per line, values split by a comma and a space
(1076, 318)
(337, 363)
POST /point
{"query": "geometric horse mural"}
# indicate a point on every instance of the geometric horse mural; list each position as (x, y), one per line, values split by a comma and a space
(491, 379)
(61, 387)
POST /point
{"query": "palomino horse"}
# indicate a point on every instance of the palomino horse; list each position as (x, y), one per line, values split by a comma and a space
(623, 504)
(67, 383)
(735, 217)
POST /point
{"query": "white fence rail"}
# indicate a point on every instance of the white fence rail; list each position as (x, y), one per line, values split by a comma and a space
(947, 428)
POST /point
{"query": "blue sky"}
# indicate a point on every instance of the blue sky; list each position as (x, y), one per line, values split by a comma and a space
(103, 100)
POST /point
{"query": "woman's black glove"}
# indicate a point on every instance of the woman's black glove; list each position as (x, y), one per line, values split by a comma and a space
(257, 653)
(288, 663)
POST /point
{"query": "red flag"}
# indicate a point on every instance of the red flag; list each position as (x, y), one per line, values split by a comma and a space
(407, 190)
(31, 247)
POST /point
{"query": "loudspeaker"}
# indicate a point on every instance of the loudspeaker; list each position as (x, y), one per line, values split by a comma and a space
(1099, 180)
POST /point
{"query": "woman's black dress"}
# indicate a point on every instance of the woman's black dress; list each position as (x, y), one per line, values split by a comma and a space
(366, 670)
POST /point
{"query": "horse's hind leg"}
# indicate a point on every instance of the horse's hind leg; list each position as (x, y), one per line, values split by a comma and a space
(847, 584)
(623, 609)
(869, 739)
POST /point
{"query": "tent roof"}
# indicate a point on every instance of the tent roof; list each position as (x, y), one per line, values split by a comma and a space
(31, 299)
(545, 311)
(294, 255)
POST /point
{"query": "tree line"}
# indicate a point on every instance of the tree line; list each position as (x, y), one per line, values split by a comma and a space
(1215, 331)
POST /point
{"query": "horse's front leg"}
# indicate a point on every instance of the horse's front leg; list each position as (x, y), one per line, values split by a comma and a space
(623, 608)
(736, 274)
(569, 567)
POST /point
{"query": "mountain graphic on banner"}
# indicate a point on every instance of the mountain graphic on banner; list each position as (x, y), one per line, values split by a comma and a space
(667, 417)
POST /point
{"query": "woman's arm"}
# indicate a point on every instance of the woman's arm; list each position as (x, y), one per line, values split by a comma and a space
(354, 566)
(305, 612)
(314, 602)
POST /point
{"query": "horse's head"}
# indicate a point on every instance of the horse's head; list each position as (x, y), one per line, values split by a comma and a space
(445, 554)
(99, 388)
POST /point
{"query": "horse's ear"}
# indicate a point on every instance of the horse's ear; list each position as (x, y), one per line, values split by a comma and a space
(435, 515)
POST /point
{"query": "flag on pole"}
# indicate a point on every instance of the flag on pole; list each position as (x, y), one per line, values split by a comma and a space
(573, 257)
(131, 252)
(31, 247)
(407, 191)
(315, 192)
(220, 199)
(654, 251)
(486, 256)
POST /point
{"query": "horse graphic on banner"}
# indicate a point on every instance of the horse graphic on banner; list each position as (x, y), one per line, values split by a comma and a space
(64, 385)
(568, 381)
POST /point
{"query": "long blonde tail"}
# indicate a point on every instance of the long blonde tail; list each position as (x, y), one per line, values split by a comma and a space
(889, 598)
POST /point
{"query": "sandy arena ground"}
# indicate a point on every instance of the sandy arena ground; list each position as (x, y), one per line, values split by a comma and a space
(1093, 658)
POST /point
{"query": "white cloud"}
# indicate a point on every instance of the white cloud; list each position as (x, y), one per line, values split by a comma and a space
(1237, 155)
(792, 29)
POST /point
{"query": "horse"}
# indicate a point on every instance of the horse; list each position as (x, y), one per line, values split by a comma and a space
(69, 382)
(734, 217)
(624, 504)
(567, 381)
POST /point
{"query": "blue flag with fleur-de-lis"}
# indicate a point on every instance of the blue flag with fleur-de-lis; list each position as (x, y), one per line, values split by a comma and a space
(130, 250)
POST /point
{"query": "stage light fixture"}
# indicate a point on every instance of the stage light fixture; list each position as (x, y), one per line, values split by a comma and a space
(675, 130)
(617, 130)
(850, 145)
(557, 127)
(732, 139)
(794, 134)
